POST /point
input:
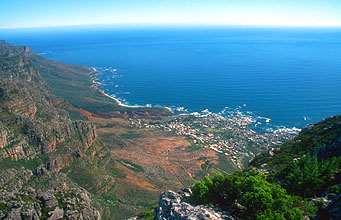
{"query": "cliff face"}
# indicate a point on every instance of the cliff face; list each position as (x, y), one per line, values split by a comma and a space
(62, 201)
(38, 139)
(30, 124)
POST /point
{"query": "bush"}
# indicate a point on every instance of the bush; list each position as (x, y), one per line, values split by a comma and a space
(308, 177)
(263, 200)
(334, 189)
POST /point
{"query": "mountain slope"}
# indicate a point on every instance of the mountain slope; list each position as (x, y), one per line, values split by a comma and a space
(31, 124)
(300, 178)
(310, 141)
(37, 140)
(60, 134)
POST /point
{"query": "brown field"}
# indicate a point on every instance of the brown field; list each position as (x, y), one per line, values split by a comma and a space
(165, 161)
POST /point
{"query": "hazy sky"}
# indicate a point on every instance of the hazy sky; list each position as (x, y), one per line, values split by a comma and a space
(33, 13)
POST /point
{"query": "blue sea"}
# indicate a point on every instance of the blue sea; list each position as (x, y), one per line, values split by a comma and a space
(289, 75)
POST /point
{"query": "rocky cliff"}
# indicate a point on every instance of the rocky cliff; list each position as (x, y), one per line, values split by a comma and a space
(38, 139)
(63, 201)
(30, 124)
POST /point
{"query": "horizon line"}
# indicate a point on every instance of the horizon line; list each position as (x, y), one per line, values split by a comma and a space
(122, 24)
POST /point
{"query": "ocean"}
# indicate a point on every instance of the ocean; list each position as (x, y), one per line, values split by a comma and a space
(280, 76)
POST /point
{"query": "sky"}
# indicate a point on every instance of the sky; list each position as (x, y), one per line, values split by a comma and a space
(42, 13)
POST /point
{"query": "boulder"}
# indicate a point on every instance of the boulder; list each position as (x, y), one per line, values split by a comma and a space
(174, 206)
(49, 200)
(56, 214)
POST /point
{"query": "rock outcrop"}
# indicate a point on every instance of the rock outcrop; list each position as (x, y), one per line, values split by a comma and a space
(56, 198)
(176, 206)
(51, 205)
(31, 125)
(37, 140)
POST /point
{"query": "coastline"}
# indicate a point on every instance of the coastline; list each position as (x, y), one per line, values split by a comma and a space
(119, 102)
(94, 72)
(272, 128)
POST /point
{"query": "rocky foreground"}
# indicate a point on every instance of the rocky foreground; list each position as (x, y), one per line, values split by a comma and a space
(177, 206)
(32, 204)
(61, 199)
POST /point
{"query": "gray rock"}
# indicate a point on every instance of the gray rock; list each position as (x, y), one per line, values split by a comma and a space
(29, 214)
(56, 214)
(174, 206)
(186, 193)
(41, 170)
(49, 200)
(14, 214)
(72, 215)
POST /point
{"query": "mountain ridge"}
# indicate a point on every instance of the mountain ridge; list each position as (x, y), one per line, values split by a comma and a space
(60, 133)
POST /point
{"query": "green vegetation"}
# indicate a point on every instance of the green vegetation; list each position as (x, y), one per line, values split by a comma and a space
(293, 176)
(110, 168)
(193, 148)
(250, 189)
(74, 84)
(334, 189)
(74, 115)
(4, 209)
(2, 93)
(215, 130)
(28, 164)
(308, 177)
(128, 136)
(44, 212)
(306, 143)
(38, 115)
(26, 198)
(148, 214)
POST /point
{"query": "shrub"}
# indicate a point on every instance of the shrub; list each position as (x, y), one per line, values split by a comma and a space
(263, 200)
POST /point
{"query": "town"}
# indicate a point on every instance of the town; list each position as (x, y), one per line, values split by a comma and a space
(230, 135)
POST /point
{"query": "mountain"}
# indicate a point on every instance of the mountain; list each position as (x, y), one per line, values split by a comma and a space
(37, 140)
(32, 126)
(69, 151)
(62, 139)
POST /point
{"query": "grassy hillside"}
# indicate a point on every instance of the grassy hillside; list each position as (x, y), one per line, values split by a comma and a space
(307, 142)
(75, 85)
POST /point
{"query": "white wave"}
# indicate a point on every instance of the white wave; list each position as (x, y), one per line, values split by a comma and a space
(267, 120)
